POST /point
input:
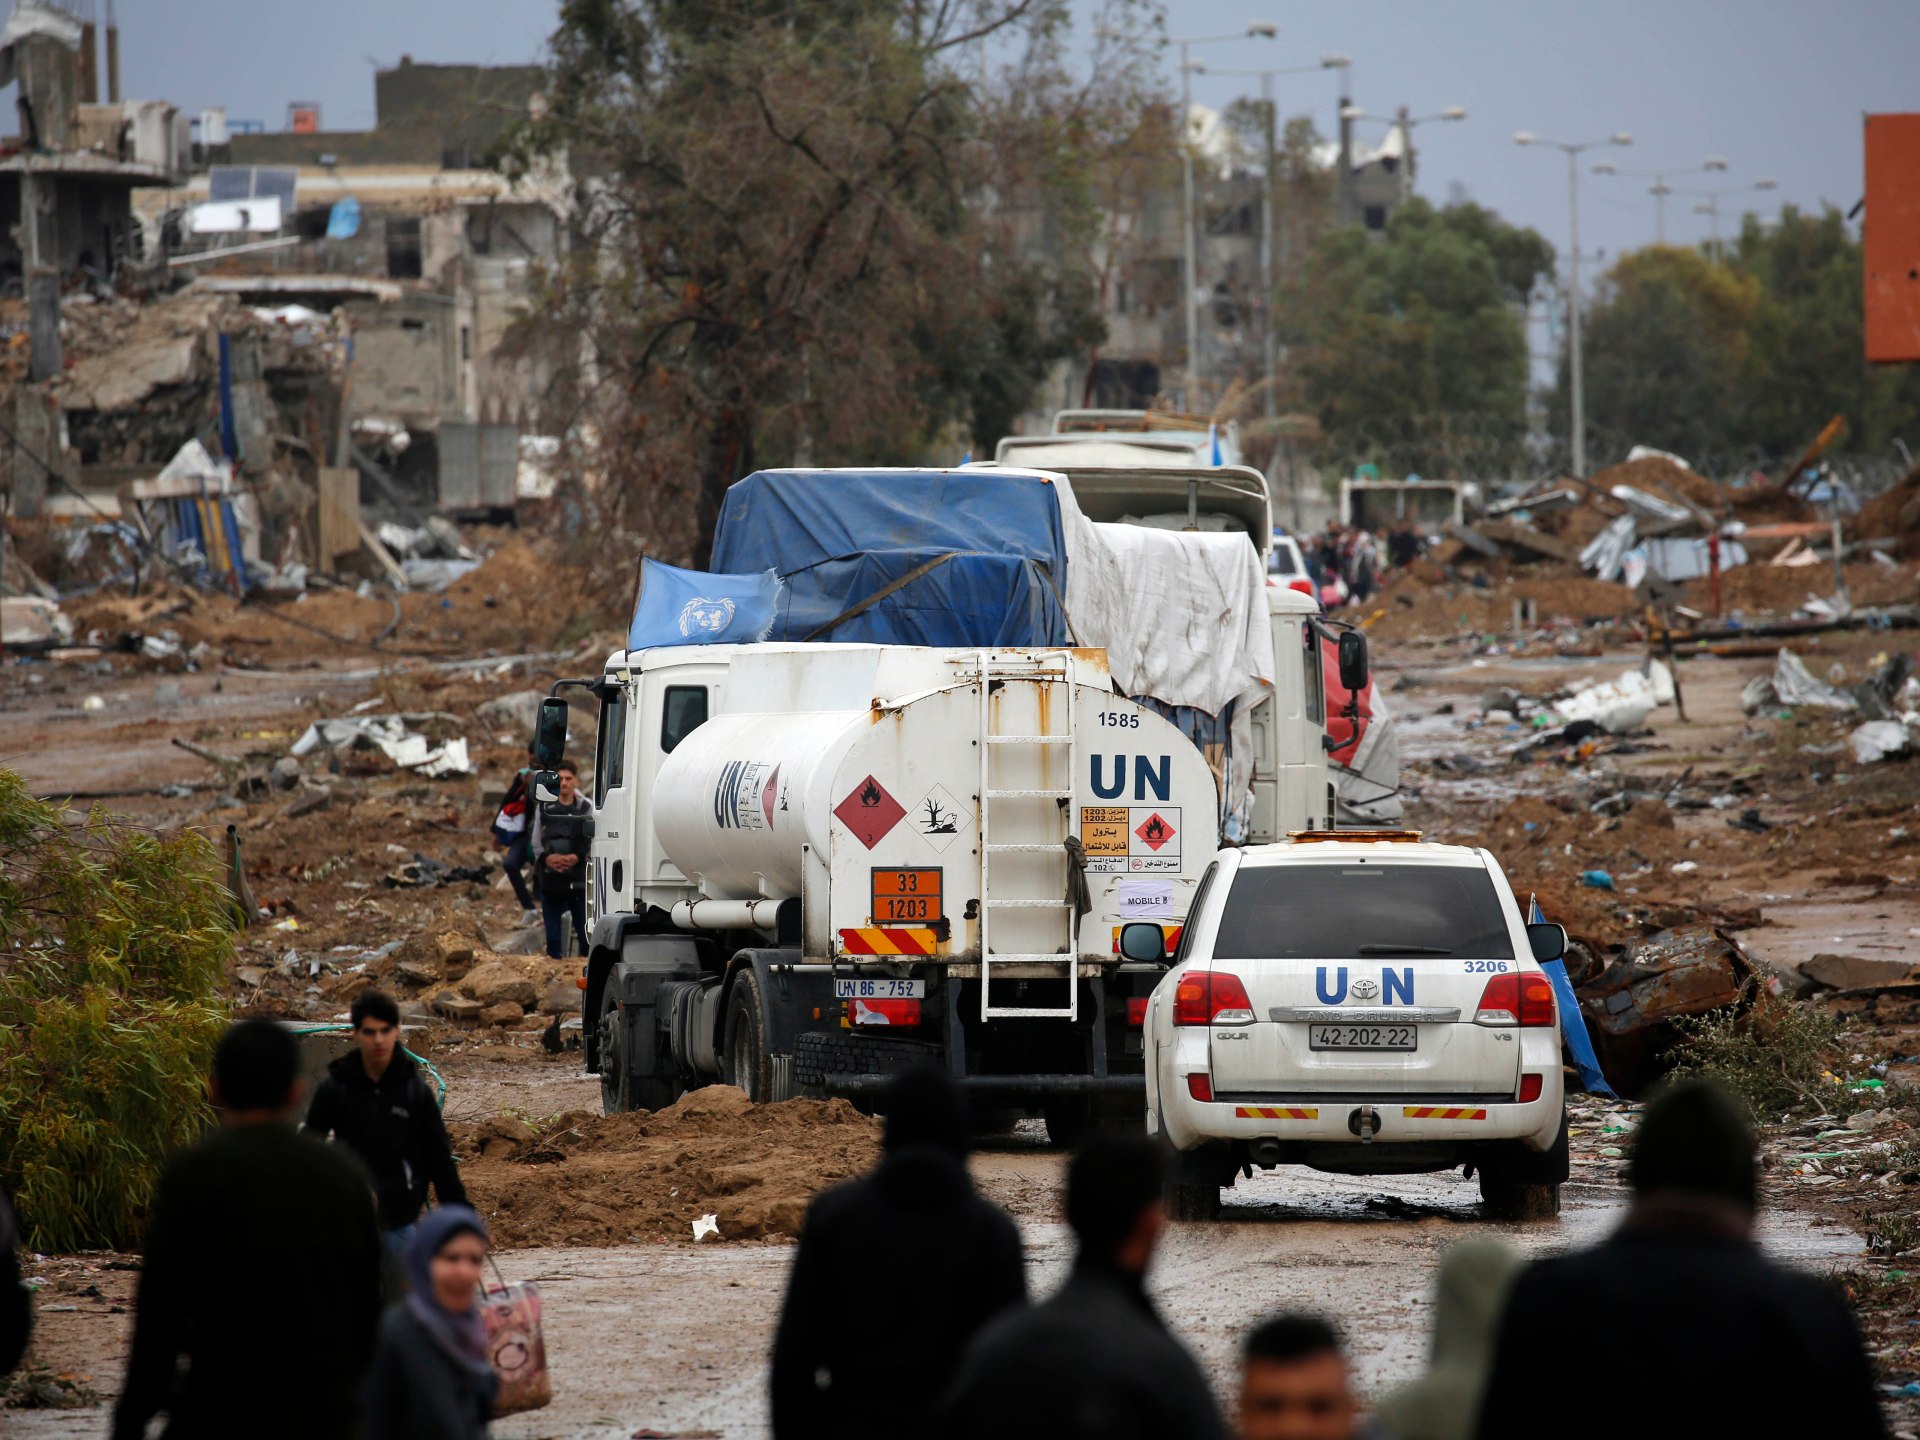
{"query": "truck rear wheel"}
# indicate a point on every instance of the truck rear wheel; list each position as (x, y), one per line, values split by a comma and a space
(746, 1059)
(620, 1089)
(821, 1054)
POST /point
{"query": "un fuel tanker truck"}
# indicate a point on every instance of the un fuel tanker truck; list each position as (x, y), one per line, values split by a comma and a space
(815, 865)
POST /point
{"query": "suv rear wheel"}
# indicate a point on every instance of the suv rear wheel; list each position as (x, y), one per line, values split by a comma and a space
(1188, 1200)
(1509, 1199)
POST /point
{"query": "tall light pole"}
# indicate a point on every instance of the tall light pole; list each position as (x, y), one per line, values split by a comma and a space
(1573, 153)
(1406, 124)
(1256, 29)
(1660, 189)
(1269, 254)
(1711, 208)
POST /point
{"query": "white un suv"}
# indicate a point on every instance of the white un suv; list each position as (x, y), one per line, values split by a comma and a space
(1358, 1002)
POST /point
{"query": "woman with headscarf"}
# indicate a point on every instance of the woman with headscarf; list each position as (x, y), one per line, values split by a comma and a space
(430, 1378)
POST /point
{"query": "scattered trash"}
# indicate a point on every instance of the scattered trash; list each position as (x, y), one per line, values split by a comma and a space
(1794, 684)
(29, 622)
(1683, 867)
(1621, 706)
(1878, 740)
(390, 734)
(706, 1225)
(1596, 879)
(1631, 1005)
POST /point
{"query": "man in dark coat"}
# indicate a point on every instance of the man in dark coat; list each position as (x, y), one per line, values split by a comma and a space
(1094, 1361)
(861, 1352)
(259, 1291)
(376, 1103)
(1683, 1265)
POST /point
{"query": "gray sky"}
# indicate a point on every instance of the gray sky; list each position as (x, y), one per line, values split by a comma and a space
(1776, 86)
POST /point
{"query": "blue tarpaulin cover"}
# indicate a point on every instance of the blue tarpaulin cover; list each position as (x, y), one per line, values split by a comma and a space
(839, 536)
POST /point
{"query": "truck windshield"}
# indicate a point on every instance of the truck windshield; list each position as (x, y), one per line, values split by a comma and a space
(1363, 912)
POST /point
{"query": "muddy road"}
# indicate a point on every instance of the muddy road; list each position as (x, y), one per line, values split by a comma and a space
(672, 1338)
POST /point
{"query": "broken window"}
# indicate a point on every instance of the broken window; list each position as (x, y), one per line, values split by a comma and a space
(403, 249)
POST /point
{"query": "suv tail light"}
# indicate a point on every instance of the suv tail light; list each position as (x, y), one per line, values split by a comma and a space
(1200, 1085)
(1211, 997)
(1301, 585)
(1518, 998)
(1531, 1087)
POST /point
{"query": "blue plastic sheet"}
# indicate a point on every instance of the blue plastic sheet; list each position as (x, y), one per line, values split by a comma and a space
(1573, 1025)
(839, 536)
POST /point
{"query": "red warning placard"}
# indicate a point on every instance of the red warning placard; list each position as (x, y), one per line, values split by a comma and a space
(869, 812)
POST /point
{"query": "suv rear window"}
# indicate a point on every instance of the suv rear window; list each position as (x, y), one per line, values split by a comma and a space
(1363, 912)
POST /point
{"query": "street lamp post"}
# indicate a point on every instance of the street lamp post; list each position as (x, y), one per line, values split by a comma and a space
(1711, 209)
(1256, 29)
(1269, 253)
(1573, 153)
(1406, 124)
(1660, 189)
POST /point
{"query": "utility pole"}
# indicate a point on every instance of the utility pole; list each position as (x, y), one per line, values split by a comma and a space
(1256, 29)
(1575, 358)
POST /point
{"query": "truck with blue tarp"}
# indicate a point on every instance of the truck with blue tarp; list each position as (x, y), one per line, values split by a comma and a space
(882, 789)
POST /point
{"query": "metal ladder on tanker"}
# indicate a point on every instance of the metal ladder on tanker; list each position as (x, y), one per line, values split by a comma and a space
(1045, 668)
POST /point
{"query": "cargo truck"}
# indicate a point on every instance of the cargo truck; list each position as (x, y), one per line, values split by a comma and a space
(817, 864)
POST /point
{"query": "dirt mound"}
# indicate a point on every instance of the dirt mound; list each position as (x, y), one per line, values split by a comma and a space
(585, 1179)
(1663, 478)
(1782, 589)
(518, 599)
(1415, 610)
(1885, 515)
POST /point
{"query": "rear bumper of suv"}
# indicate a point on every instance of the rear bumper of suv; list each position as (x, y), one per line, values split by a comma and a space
(1390, 1119)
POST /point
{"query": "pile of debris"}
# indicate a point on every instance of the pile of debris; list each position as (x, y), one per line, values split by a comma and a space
(1883, 712)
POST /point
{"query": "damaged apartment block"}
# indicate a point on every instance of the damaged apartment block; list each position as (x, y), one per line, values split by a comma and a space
(308, 331)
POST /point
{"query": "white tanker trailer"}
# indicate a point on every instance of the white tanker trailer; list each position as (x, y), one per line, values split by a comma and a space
(815, 865)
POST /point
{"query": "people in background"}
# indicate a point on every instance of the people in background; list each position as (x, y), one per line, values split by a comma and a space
(561, 841)
(512, 831)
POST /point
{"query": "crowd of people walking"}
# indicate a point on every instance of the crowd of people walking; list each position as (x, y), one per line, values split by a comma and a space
(293, 1287)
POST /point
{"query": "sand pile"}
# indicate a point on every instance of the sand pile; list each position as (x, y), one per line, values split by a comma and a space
(586, 1179)
(1414, 609)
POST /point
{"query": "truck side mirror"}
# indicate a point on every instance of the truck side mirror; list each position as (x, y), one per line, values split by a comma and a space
(1354, 673)
(550, 734)
(1549, 941)
(1142, 941)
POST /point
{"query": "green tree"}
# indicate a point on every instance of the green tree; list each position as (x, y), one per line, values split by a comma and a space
(1665, 346)
(1411, 348)
(1806, 356)
(804, 233)
(113, 951)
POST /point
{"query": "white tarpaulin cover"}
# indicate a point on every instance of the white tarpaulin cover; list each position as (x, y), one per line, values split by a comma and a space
(1181, 615)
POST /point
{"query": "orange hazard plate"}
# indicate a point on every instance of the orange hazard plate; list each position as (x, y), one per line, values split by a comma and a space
(906, 896)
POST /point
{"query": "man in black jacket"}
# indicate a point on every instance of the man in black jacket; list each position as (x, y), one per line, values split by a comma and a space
(1094, 1361)
(260, 1286)
(1683, 1265)
(376, 1103)
(894, 1275)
